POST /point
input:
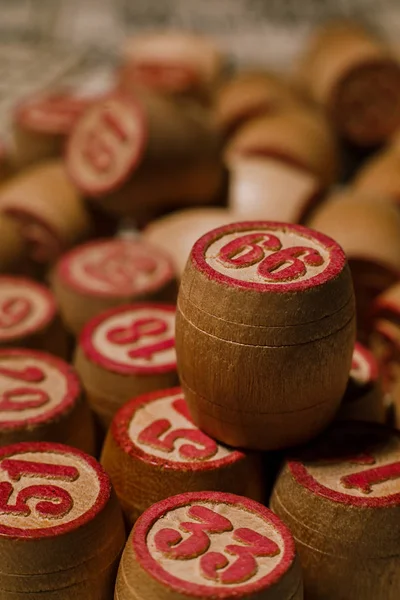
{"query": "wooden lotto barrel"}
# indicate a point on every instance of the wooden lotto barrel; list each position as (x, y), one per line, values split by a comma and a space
(105, 273)
(153, 450)
(237, 550)
(133, 153)
(259, 304)
(29, 316)
(340, 498)
(125, 352)
(41, 400)
(356, 78)
(363, 399)
(47, 208)
(66, 544)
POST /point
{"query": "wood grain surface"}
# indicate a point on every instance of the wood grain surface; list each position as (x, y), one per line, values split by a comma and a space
(237, 549)
(253, 321)
(153, 450)
(340, 498)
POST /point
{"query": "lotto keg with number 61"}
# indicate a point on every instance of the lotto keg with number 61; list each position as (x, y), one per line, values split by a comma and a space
(265, 333)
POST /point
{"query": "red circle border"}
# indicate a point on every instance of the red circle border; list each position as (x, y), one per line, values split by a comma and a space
(72, 395)
(45, 293)
(63, 268)
(151, 566)
(137, 109)
(100, 503)
(119, 432)
(305, 479)
(337, 256)
(94, 356)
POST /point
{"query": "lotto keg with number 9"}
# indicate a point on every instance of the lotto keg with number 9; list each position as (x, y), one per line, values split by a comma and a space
(265, 333)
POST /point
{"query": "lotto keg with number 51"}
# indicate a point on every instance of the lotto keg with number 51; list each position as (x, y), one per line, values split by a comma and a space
(265, 333)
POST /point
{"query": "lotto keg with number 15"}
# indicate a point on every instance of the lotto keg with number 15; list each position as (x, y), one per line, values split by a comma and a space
(265, 333)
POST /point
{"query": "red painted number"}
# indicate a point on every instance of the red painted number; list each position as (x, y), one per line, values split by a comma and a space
(14, 311)
(136, 330)
(25, 468)
(215, 565)
(24, 397)
(53, 500)
(27, 374)
(170, 541)
(245, 567)
(146, 327)
(99, 148)
(248, 249)
(286, 264)
(365, 480)
(151, 436)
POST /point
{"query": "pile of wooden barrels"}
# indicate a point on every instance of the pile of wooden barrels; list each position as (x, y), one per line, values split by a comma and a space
(200, 329)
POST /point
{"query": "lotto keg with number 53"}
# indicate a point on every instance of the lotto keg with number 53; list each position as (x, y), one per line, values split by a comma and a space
(265, 333)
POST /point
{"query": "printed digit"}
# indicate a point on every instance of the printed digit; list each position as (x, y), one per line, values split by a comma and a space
(170, 541)
(245, 567)
(99, 149)
(147, 352)
(248, 249)
(271, 267)
(54, 501)
(151, 436)
(138, 329)
(27, 374)
(14, 399)
(365, 480)
(14, 311)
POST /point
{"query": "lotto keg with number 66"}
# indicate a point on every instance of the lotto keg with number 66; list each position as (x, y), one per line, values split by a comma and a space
(265, 333)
